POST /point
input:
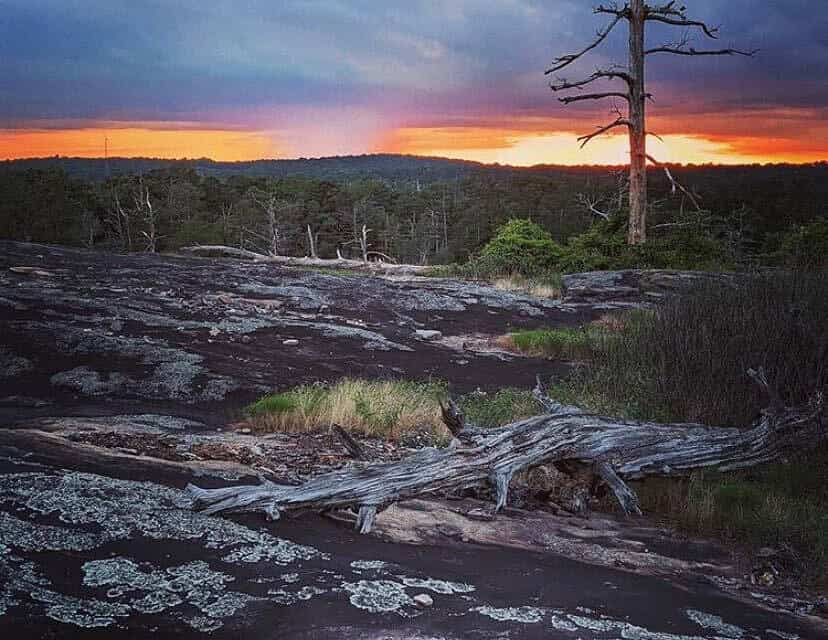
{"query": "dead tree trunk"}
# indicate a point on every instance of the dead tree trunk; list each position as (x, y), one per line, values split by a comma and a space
(637, 13)
(312, 240)
(637, 229)
(616, 450)
(363, 243)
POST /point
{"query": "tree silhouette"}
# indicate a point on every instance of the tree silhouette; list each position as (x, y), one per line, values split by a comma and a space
(637, 13)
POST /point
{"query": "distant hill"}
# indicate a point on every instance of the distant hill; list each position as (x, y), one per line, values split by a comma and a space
(384, 166)
(388, 167)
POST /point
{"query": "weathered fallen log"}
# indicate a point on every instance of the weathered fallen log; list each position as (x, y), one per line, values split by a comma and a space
(385, 265)
(221, 250)
(615, 450)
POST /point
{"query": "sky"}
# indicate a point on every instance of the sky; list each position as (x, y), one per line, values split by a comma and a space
(250, 79)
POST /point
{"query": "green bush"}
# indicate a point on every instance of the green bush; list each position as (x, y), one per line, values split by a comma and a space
(519, 246)
(604, 247)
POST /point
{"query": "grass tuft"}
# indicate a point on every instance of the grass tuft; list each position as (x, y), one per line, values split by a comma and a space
(382, 408)
(578, 343)
(498, 408)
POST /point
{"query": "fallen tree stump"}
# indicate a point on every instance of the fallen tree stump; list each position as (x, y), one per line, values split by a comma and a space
(614, 450)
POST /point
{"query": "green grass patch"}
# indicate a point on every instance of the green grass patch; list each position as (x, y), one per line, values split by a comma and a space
(498, 408)
(574, 343)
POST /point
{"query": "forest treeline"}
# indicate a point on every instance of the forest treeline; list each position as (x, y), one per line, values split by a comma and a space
(427, 211)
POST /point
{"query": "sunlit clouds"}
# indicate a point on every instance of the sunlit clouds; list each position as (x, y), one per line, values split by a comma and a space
(463, 79)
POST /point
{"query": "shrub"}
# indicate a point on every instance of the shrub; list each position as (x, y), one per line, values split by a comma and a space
(519, 246)
(604, 247)
(688, 359)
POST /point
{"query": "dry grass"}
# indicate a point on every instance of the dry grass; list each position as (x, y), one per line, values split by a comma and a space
(547, 287)
(381, 408)
(390, 409)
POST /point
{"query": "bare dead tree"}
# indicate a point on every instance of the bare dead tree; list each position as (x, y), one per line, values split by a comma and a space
(637, 13)
(226, 212)
(144, 209)
(268, 204)
(272, 206)
(120, 218)
(313, 240)
(363, 242)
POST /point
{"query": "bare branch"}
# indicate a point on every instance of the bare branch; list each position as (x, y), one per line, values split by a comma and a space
(613, 9)
(681, 21)
(691, 51)
(565, 61)
(595, 96)
(620, 122)
(611, 74)
(675, 184)
(591, 203)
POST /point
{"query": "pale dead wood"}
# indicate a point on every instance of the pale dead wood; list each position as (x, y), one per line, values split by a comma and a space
(617, 450)
(387, 264)
(675, 185)
(354, 449)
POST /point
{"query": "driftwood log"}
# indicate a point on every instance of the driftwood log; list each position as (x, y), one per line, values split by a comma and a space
(385, 264)
(614, 451)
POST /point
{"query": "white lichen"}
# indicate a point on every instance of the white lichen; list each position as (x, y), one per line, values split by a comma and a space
(714, 622)
(438, 586)
(377, 596)
(526, 615)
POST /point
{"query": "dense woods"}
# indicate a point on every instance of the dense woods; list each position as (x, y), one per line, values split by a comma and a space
(418, 210)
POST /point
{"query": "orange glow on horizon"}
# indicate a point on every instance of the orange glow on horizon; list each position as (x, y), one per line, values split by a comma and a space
(519, 142)
(530, 147)
(137, 141)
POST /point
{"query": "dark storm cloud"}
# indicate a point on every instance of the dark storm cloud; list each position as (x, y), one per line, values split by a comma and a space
(427, 59)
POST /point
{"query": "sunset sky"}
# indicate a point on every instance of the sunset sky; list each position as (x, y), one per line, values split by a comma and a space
(249, 79)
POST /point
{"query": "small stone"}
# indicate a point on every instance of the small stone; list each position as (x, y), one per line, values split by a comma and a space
(428, 334)
(246, 431)
(423, 600)
(290, 343)
(246, 339)
(482, 515)
(215, 331)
